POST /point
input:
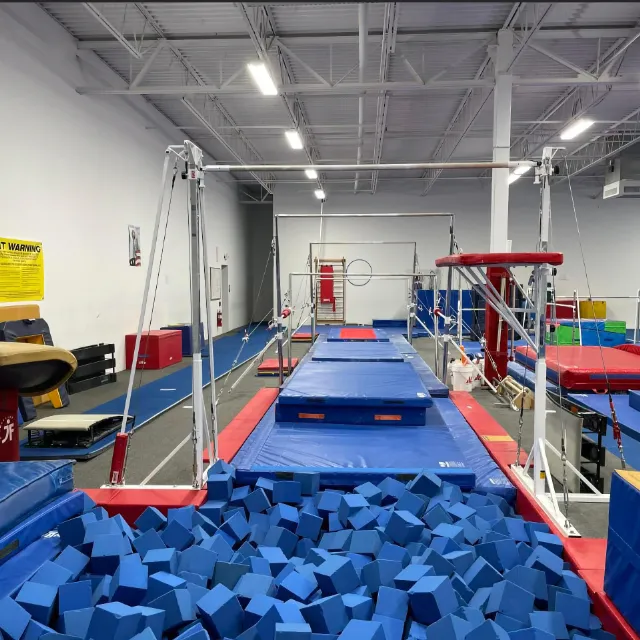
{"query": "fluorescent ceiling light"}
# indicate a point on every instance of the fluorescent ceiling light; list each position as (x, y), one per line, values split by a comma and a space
(576, 129)
(262, 78)
(294, 139)
(521, 170)
(320, 194)
(312, 174)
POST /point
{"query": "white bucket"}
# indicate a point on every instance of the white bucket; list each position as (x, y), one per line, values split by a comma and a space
(462, 376)
(477, 378)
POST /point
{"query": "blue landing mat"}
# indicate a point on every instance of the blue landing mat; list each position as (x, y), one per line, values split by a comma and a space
(156, 397)
(26, 487)
(334, 335)
(435, 387)
(356, 352)
(628, 419)
(347, 454)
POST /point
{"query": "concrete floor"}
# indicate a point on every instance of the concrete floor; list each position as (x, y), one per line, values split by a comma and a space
(154, 442)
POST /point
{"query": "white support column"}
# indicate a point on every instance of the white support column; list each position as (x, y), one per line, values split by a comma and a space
(501, 141)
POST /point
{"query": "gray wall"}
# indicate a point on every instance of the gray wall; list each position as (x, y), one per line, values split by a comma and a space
(260, 222)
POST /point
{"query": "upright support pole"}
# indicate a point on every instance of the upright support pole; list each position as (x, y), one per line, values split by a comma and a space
(194, 176)
(447, 305)
(290, 326)
(541, 274)
(501, 142)
(635, 328)
(312, 295)
(436, 330)
(277, 307)
(213, 412)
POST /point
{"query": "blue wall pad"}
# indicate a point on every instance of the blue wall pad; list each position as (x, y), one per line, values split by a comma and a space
(354, 393)
(383, 324)
(356, 352)
(37, 524)
(344, 454)
(25, 487)
(334, 335)
(152, 399)
(628, 419)
(489, 477)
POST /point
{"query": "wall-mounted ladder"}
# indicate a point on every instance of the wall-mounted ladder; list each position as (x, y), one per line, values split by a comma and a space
(331, 309)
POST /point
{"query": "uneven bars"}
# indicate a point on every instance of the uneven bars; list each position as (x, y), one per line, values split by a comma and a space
(510, 164)
(365, 215)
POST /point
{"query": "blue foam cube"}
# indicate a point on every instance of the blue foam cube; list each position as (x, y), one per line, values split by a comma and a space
(178, 607)
(432, 598)
(221, 612)
(228, 573)
(101, 591)
(336, 541)
(145, 634)
(450, 531)
(35, 630)
(334, 522)
(363, 630)
(238, 496)
(257, 501)
(38, 600)
(530, 579)
(336, 576)
(292, 631)
(275, 556)
(149, 540)
(508, 623)
(391, 551)
(550, 621)
(461, 560)
(412, 503)
(130, 581)
(199, 519)
(511, 600)
(514, 528)
(183, 515)
(317, 557)
(363, 519)
(198, 560)
(99, 528)
(52, 574)
(213, 510)
(219, 487)
(75, 623)
(358, 607)
(502, 554)
(282, 538)
(297, 587)
(451, 627)
(365, 542)
(220, 466)
(426, 484)
(576, 611)
(151, 518)
(72, 560)
(72, 531)
(392, 627)
(471, 615)
(237, 527)
(113, 621)
(328, 502)
(575, 584)
(533, 634)
(471, 532)
(403, 527)
(411, 574)
(251, 585)
(547, 562)
(436, 515)
(177, 536)
(393, 603)
(444, 545)
(350, 504)
(288, 491)
(219, 545)
(74, 595)
(326, 615)
(285, 516)
(481, 574)
(440, 565)
(14, 619)
(488, 630)
(524, 551)
(161, 583)
(309, 526)
(309, 482)
(391, 490)
(460, 511)
(193, 578)
(161, 560)
(549, 541)
(303, 547)
(150, 618)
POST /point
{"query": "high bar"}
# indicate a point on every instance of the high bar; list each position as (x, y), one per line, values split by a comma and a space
(407, 166)
(364, 215)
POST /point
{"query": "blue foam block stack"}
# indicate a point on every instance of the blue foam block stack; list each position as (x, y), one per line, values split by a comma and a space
(281, 560)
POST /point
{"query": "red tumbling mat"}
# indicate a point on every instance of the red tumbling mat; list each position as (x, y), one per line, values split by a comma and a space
(358, 334)
(302, 336)
(242, 426)
(581, 368)
(270, 366)
(500, 259)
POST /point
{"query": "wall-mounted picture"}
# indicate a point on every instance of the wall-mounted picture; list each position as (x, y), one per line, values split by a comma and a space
(134, 246)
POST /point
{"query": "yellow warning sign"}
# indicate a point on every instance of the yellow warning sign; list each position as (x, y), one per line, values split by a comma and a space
(21, 270)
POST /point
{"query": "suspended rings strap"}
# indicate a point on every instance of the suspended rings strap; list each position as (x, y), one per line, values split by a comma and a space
(358, 284)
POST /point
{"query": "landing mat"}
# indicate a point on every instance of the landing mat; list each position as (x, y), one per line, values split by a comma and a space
(581, 368)
(356, 352)
(26, 487)
(347, 454)
(337, 334)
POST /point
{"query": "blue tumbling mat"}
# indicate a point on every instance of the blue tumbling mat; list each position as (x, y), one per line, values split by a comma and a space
(356, 352)
(434, 386)
(344, 454)
(527, 378)
(158, 396)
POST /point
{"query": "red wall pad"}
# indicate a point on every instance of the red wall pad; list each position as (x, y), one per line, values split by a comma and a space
(242, 426)
(586, 555)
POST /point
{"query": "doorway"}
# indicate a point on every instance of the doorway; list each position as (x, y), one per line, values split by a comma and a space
(224, 296)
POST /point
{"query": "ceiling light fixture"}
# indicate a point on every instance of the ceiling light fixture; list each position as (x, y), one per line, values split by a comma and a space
(312, 174)
(294, 139)
(320, 194)
(262, 78)
(576, 129)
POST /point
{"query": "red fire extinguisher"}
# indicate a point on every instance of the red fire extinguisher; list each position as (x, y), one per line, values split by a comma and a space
(219, 322)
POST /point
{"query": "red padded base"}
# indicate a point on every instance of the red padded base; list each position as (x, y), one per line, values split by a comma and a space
(581, 368)
(358, 334)
(241, 427)
(586, 555)
(500, 259)
(270, 366)
(302, 336)
(130, 503)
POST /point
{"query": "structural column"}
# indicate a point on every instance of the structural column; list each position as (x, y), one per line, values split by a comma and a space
(502, 92)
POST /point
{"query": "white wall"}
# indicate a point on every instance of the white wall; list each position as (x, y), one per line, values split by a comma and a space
(609, 232)
(76, 171)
